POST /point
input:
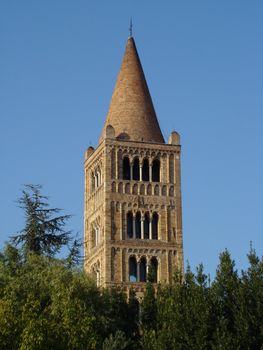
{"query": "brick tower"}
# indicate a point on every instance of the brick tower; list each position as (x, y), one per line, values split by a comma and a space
(133, 213)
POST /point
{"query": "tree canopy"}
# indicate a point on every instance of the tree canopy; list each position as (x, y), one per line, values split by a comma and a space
(47, 302)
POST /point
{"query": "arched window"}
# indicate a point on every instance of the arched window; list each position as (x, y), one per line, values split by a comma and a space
(155, 226)
(138, 225)
(143, 270)
(99, 178)
(92, 182)
(113, 187)
(120, 188)
(132, 269)
(156, 190)
(142, 189)
(135, 189)
(126, 169)
(154, 269)
(164, 191)
(145, 170)
(171, 168)
(136, 169)
(146, 225)
(127, 188)
(93, 237)
(129, 225)
(98, 182)
(171, 191)
(120, 165)
(149, 190)
(97, 230)
(113, 162)
(156, 170)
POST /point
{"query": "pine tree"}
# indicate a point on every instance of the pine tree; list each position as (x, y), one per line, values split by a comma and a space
(149, 308)
(226, 304)
(44, 232)
(252, 302)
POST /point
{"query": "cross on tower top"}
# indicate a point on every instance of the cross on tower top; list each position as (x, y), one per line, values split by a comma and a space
(130, 28)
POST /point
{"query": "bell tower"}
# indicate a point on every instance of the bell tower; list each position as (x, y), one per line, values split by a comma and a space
(132, 211)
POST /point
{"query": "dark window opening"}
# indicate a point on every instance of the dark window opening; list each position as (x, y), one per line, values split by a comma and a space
(132, 269)
(146, 226)
(145, 170)
(143, 270)
(156, 170)
(136, 170)
(129, 225)
(92, 182)
(126, 169)
(138, 225)
(154, 269)
(155, 226)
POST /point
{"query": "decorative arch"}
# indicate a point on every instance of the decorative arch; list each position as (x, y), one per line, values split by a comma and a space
(113, 187)
(164, 190)
(171, 191)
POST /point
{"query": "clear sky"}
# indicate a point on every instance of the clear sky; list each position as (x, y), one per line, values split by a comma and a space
(203, 61)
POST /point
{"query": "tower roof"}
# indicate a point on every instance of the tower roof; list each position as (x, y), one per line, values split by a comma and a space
(131, 111)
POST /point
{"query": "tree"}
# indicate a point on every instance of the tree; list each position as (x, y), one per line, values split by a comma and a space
(117, 342)
(226, 304)
(44, 232)
(149, 308)
(252, 302)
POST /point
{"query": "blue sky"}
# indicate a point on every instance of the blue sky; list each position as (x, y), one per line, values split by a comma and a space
(203, 62)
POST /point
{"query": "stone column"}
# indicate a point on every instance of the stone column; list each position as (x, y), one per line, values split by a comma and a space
(150, 228)
(121, 227)
(174, 170)
(116, 164)
(131, 171)
(138, 271)
(150, 172)
(142, 227)
(147, 267)
(140, 172)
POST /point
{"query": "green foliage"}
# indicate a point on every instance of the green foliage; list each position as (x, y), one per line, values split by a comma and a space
(117, 342)
(44, 232)
(47, 303)
(149, 309)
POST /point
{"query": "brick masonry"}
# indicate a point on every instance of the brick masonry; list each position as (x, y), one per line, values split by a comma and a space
(109, 197)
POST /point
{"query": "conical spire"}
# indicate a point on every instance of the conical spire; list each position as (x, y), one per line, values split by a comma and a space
(131, 111)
